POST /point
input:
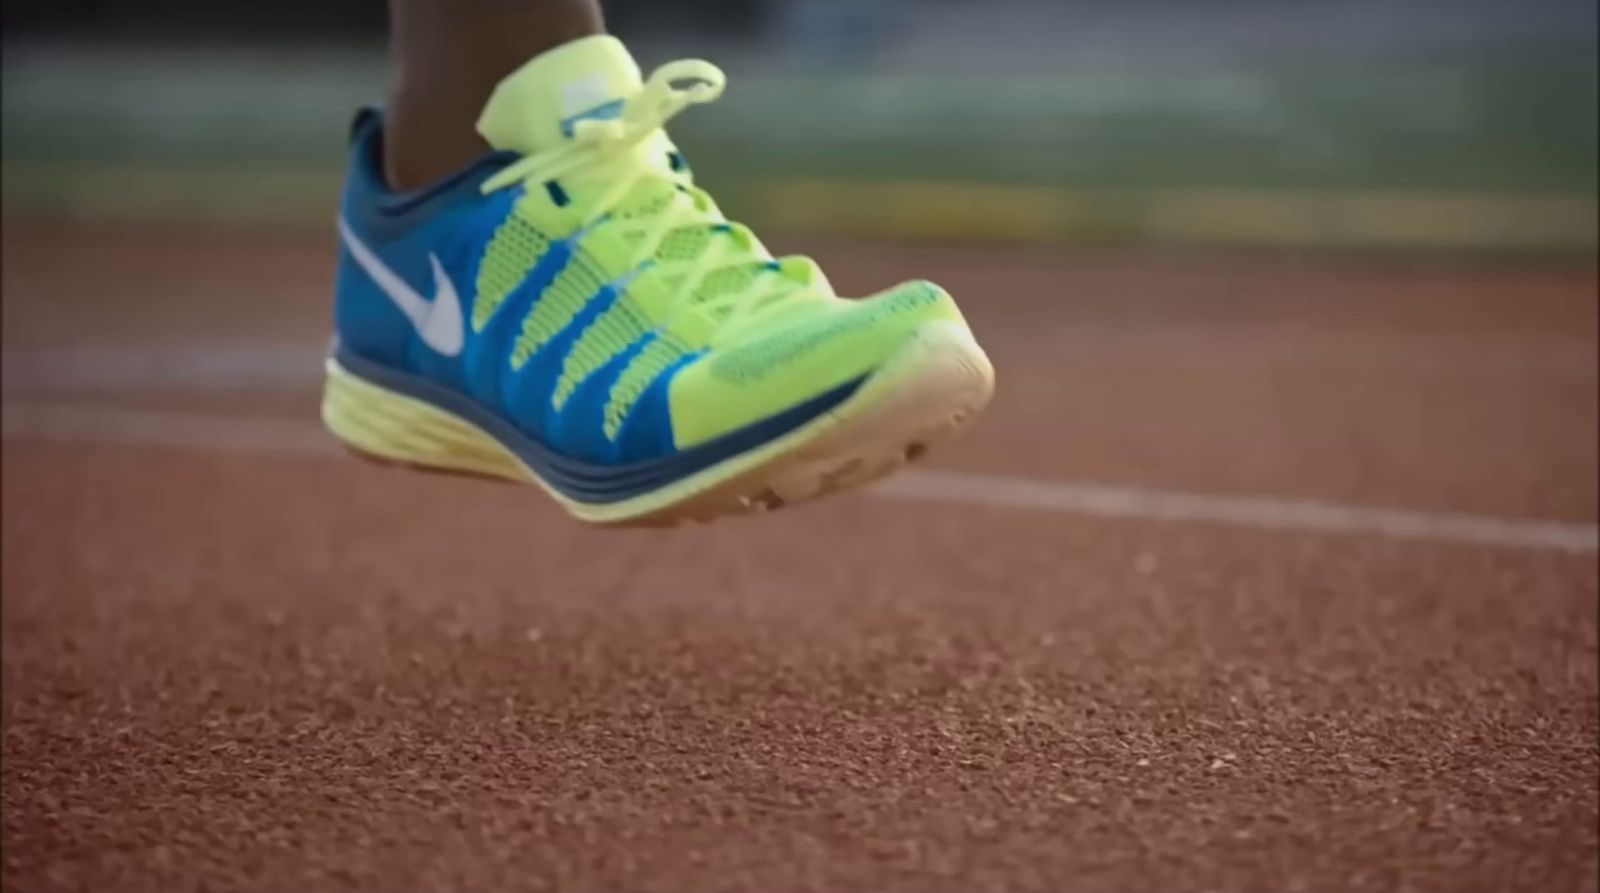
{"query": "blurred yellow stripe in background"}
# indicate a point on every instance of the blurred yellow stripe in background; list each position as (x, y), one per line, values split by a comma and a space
(938, 209)
(1384, 219)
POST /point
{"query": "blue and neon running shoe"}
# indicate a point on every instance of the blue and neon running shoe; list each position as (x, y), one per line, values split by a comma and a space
(573, 312)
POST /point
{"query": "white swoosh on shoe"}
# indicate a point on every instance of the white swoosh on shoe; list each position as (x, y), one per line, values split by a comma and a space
(438, 322)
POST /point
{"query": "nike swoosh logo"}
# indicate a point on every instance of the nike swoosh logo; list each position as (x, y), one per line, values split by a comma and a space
(438, 322)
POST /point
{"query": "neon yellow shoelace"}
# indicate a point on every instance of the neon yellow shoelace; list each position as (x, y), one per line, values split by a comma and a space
(601, 149)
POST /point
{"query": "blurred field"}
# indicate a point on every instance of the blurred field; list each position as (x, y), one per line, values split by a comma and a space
(1409, 124)
(1272, 567)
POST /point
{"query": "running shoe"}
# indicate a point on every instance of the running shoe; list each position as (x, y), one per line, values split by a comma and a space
(573, 312)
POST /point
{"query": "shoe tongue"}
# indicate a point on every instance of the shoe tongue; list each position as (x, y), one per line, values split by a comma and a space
(536, 106)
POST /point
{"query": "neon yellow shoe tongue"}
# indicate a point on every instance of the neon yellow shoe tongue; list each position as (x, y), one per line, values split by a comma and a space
(534, 108)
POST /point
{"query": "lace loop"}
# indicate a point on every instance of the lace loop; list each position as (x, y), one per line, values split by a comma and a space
(598, 143)
(659, 101)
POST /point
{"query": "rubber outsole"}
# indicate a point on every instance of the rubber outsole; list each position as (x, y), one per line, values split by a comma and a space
(930, 390)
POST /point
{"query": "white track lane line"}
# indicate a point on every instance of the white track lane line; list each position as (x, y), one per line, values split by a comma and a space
(1249, 511)
(198, 431)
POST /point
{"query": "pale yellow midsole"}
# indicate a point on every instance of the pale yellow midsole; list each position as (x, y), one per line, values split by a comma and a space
(391, 425)
(394, 426)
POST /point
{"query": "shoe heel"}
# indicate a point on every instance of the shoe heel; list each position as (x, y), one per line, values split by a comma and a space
(393, 427)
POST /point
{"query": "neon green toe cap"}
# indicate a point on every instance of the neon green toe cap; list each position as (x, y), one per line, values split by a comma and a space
(782, 365)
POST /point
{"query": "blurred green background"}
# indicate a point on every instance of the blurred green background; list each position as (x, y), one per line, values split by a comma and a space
(1436, 124)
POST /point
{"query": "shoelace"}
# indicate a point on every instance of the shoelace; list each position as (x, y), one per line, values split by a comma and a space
(604, 146)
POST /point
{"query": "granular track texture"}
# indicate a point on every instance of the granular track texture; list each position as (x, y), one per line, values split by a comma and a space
(228, 668)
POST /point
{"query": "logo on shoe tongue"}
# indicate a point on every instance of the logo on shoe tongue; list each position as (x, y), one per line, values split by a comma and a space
(586, 99)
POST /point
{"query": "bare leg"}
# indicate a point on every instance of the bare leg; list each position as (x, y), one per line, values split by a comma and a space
(446, 57)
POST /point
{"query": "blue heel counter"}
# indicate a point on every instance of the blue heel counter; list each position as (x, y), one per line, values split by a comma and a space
(448, 219)
(365, 321)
